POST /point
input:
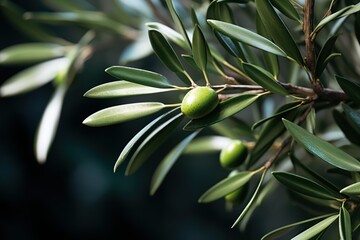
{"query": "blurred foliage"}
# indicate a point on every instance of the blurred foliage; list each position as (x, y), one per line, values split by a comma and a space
(300, 56)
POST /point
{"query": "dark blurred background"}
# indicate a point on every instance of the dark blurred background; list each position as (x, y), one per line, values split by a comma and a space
(75, 194)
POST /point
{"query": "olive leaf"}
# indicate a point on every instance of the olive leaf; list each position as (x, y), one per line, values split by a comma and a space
(303, 185)
(129, 146)
(33, 77)
(279, 113)
(345, 224)
(222, 12)
(139, 76)
(279, 32)
(169, 160)
(271, 61)
(178, 23)
(31, 29)
(343, 123)
(346, 11)
(283, 230)
(351, 88)
(166, 53)
(324, 55)
(322, 149)
(353, 117)
(170, 34)
(222, 111)
(151, 143)
(252, 200)
(30, 53)
(200, 49)
(286, 8)
(48, 124)
(233, 128)
(323, 181)
(245, 36)
(316, 229)
(269, 133)
(89, 19)
(123, 88)
(226, 186)
(264, 79)
(122, 113)
(353, 189)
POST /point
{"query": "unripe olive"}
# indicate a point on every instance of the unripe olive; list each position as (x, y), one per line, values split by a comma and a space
(199, 102)
(233, 154)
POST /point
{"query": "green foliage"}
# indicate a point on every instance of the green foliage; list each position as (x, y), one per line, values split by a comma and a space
(288, 62)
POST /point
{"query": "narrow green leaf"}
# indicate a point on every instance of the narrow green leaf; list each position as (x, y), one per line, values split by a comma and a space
(75, 58)
(310, 121)
(233, 1)
(170, 34)
(247, 37)
(279, 113)
(207, 144)
(286, 8)
(271, 61)
(283, 230)
(346, 11)
(151, 143)
(164, 51)
(178, 22)
(89, 19)
(316, 229)
(121, 89)
(199, 49)
(167, 163)
(69, 5)
(323, 181)
(30, 53)
(122, 113)
(279, 32)
(325, 52)
(129, 146)
(33, 77)
(268, 134)
(222, 12)
(345, 224)
(357, 27)
(139, 76)
(343, 123)
(233, 128)
(353, 117)
(355, 219)
(303, 185)
(226, 186)
(222, 111)
(31, 29)
(322, 149)
(351, 88)
(264, 79)
(353, 189)
(251, 202)
(48, 125)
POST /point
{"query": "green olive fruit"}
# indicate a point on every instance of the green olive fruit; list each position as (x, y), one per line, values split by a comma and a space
(199, 102)
(233, 154)
(237, 196)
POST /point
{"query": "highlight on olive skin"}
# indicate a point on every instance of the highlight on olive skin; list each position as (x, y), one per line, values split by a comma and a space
(199, 102)
(233, 155)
